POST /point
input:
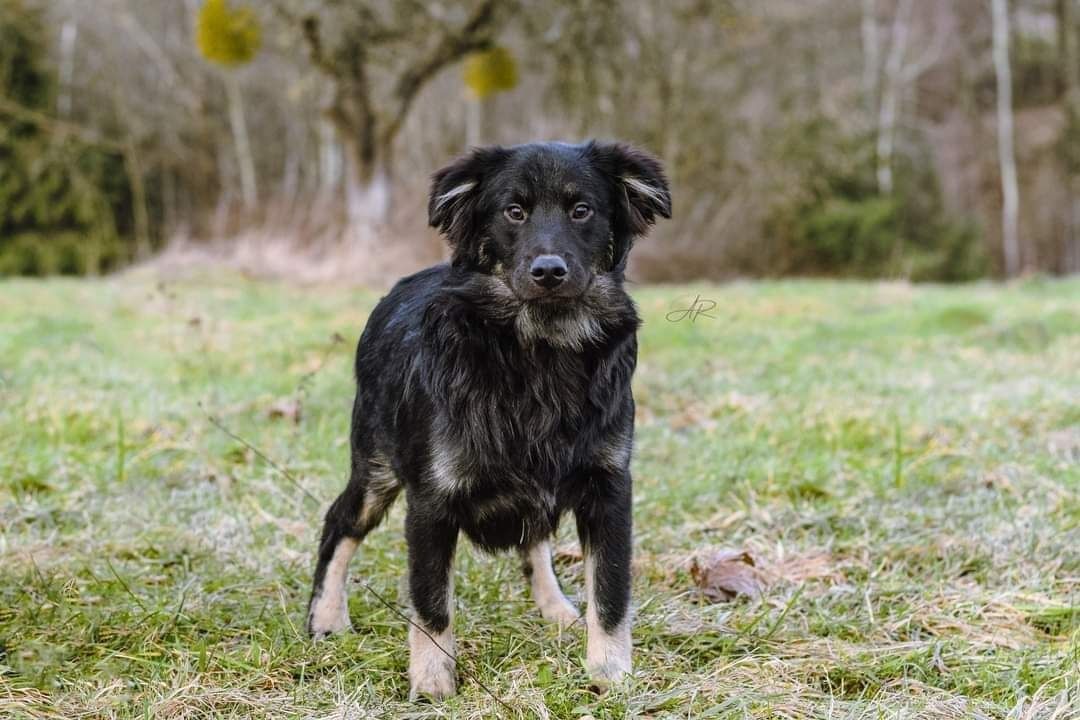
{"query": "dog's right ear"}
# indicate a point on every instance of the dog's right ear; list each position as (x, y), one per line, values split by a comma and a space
(456, 188)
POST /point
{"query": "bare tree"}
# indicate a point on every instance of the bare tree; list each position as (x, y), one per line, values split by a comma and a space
(367, 112)
(1006, 154)
(903, 67)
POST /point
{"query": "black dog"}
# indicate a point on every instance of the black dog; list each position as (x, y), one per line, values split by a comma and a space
(496, 391)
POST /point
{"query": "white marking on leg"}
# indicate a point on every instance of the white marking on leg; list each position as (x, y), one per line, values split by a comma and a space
(330, 607)
(382, 488)
(444, 468)
(615, 453)
(545, 587)
(431, 670)
(607, 655)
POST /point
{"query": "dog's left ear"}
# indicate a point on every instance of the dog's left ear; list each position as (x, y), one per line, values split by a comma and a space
(641, 189)
(455, 190)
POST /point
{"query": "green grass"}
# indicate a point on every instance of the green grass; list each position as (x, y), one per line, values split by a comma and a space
(902, 462)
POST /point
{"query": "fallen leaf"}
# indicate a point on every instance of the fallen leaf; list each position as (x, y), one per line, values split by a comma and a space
(724, 575)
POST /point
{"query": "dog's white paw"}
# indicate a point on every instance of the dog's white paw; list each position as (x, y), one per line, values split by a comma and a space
(436, 682)
(329, 614)
(431, 671)
(609, 674)
(560, 611)
(329, 609)
(607, 654)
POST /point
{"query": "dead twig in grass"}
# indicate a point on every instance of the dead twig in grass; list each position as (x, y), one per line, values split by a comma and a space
(260, 454)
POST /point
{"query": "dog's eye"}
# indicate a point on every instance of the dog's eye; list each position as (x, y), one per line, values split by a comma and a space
(514, 213)
(581, 211)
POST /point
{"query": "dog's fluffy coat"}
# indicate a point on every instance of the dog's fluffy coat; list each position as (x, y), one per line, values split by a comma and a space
(498, 403)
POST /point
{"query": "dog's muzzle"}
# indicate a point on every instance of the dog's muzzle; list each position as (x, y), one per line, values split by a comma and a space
(548, 271)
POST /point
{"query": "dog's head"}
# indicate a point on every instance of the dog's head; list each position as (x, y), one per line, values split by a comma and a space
(546, 219)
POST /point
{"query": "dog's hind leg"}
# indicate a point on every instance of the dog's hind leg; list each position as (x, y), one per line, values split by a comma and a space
(553, 605)
(371, 490)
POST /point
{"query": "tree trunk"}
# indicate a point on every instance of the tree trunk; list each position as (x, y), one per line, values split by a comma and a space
(890, 97)
(1006, 155)
(871, 55)
(1069, 73)
(68, 35)
(367, 195)
(367, 125)
(1067, 67)
(329, 160)
(169, 206)
(141, 216)
(290, 173)
(226, 192)
(474, 118)
(244, 158)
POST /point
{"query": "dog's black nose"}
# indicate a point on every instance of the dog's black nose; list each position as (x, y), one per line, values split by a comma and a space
(548, 271)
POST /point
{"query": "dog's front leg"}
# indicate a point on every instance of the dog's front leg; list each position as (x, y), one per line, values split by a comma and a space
(605, 529)
(432, 540)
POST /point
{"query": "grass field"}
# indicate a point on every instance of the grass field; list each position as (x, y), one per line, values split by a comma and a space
(903, 464)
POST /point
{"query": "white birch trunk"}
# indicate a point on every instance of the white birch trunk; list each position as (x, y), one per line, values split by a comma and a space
(238, 125)
(68, 35)
(1006, 154)
(1070, 261)
(890, 97)
(330, 160)
(871, 43)
(367, 202)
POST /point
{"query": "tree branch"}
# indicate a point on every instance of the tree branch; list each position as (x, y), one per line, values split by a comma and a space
(309, 25)
(146, 42)
(475, 34)
(58, 127)
(346, 68)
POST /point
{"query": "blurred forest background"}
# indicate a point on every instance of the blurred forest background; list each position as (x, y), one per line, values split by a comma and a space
(921, 139)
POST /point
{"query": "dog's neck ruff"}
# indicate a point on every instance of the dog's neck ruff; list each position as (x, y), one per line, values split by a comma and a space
(573, 329)
(604, 313)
